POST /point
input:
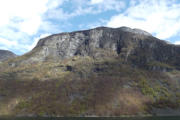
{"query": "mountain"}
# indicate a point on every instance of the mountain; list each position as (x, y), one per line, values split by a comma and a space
(125, 42)
(5, 54)
(97, 72)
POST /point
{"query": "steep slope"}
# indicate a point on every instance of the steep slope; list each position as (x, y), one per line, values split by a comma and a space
(4, 55)
(97, 72)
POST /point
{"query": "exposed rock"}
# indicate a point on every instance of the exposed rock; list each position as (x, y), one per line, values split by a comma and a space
(136, 31)
(134, 45)
(4, 55)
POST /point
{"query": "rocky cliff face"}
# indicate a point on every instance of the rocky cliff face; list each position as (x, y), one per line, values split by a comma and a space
(4, 55)
(134, 45)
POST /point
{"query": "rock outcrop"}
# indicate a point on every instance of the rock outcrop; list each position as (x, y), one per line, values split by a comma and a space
(134, 45)
(5, 54)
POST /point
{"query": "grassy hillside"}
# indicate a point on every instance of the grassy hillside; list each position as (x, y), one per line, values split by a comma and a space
(85, 86)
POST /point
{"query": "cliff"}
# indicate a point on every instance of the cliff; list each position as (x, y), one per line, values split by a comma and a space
(125, 42)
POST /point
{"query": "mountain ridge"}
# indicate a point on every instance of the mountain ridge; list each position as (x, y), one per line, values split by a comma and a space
(5, 55)
(91, 42)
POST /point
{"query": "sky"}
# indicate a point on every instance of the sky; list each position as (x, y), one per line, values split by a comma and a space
(24, 22)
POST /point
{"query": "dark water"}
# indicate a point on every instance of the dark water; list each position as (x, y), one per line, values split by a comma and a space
(94, 118)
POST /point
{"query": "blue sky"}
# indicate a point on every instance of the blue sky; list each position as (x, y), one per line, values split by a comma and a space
(24, 22)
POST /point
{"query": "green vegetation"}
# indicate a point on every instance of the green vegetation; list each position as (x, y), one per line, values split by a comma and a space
(23, 104)
(146, 88)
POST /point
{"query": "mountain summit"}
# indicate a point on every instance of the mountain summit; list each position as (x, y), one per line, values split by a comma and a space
(97, 72)
(88, 42)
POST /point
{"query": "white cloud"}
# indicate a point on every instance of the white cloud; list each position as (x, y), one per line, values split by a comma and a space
(96, 1)
(22, 15)
(31, 26)
(112, 5)
(25, 15)
(177, 42)
(82, 7)
(8, 43)
(159, 17)
(54, 3)
(21, 20)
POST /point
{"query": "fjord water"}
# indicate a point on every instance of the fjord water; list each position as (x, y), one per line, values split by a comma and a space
(93, 118)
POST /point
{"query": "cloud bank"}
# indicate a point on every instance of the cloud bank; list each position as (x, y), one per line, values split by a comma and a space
(159, 17)
(20, 20)
(24, 22)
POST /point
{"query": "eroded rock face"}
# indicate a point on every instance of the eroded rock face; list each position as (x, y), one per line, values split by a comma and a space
(134, 45)
(4, 55)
